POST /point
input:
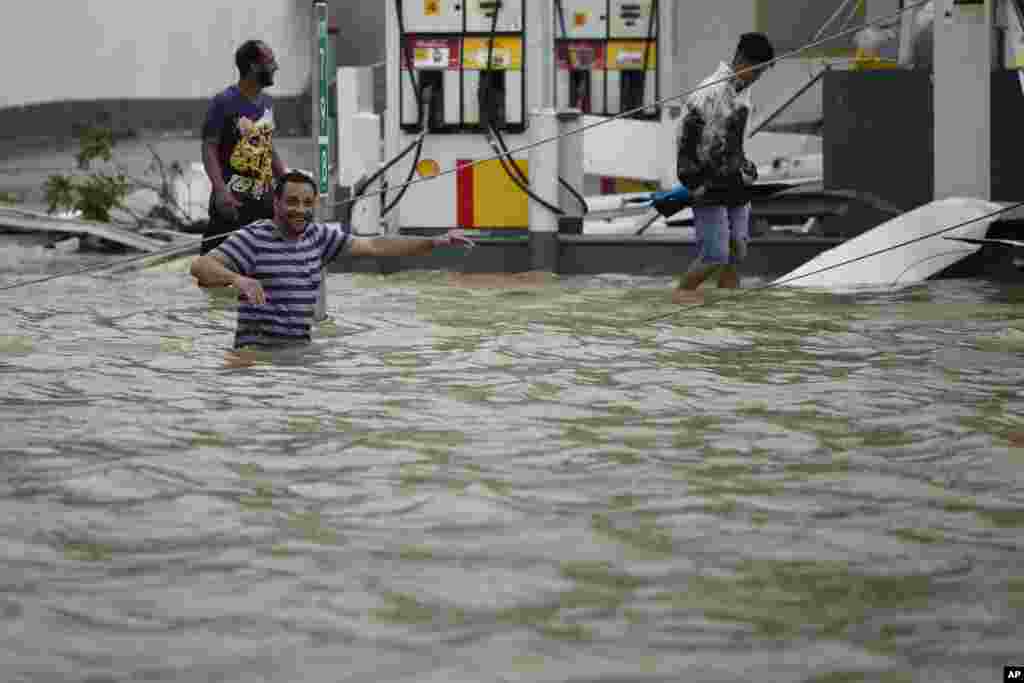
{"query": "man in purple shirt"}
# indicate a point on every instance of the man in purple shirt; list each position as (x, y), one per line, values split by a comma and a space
(238, 146)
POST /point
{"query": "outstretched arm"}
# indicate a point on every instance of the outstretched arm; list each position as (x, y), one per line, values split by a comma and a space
(407, 246)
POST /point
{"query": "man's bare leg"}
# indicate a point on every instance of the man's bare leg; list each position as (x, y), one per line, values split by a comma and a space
(687, 296)
(686, 292)
(728, 278)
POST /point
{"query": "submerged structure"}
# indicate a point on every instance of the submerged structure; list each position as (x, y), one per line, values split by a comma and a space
(535, 124)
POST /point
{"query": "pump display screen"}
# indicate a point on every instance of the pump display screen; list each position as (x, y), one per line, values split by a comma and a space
(435, 53)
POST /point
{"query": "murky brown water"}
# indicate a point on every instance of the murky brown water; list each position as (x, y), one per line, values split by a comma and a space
(528, 485)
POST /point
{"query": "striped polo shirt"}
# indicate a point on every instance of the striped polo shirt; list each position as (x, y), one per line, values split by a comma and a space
(290, 272)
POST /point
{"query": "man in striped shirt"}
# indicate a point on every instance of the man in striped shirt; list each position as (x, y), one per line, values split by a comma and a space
(276, 265)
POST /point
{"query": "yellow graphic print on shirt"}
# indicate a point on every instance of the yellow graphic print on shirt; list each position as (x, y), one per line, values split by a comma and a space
(252, 159)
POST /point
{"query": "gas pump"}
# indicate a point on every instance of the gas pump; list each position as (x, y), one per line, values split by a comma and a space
(632, 75)
(581, 39)
(607, 56)
(442, 47)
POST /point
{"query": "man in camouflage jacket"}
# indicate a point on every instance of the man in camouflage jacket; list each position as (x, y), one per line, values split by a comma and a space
(711, 163)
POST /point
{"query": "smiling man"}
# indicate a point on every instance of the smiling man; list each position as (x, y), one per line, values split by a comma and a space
(276, 264)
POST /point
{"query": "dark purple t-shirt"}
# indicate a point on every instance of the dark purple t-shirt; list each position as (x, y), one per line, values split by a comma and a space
(244, 133)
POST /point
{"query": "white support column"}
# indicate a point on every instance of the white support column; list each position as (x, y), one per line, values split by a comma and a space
(962, 100)
(671, 110)
(359, 149)
(543, 133)
(366, 159)
(570, 159)
(543, 156)
(392, 129)
(354, 96)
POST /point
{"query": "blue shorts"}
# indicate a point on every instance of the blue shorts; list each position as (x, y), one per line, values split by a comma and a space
(722, 234)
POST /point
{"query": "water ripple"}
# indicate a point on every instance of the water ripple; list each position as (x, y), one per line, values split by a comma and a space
(469, 485)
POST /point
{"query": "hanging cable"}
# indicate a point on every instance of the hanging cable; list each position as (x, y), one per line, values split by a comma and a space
(497, 141)
(382, 170)
(419, 152)
(853, 13)
(423, 114)
(828, 22)
(492, 134)
(835, 15)
(416, 144)
(580, 199)
(420, 111)
(488, 105)
(515, 174)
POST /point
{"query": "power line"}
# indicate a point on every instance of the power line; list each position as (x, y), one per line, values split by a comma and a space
(99, 267)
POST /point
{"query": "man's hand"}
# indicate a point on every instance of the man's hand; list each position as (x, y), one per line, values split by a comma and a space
(748, 172)
(251, 290)
(454, 238)
(227, 204)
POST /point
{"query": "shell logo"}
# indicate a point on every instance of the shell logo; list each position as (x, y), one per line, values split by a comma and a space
(428, 168)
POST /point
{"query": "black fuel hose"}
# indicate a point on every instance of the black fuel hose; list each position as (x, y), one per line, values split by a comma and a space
(497, 141)
(416, 145)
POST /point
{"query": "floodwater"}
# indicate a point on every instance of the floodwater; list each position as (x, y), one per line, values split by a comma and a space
(535, 484)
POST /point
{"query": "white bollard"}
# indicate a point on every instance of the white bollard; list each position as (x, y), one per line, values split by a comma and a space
(570, 160)
(544, 183)
(543, 156)
(363, 161)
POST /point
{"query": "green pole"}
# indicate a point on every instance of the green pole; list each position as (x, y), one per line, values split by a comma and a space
(321, 123)
(332, 90)
(323, 135)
